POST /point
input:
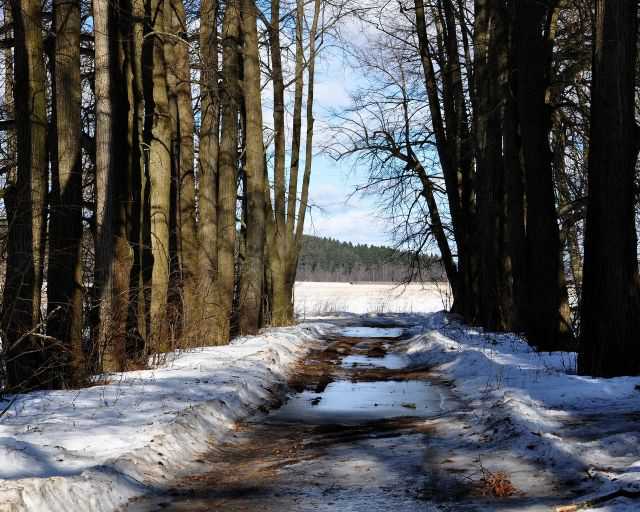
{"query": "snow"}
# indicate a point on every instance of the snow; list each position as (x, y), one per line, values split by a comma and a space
(94, 448)
(313, 299)
(524, 412)
(533, 406)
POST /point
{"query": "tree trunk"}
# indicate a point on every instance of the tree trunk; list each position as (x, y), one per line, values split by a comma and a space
(252, 267)
(183, 123)
(21, 316)
(445, 138)
(208, 171)
(610, 324)
(308, 159)
(136, 323)
(64, 283)
(159, 142)
(277, 245)
(228, 167)
(494, 295)
(544, 326)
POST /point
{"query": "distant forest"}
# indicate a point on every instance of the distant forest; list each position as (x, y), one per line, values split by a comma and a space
(325, 259)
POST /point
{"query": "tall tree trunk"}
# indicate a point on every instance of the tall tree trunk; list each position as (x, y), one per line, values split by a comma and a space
(136, 319)
(544, 325)
(514, 188)
(183, 128)
(252, 267)
(494, 294)
(208, 171)
(104, 180)
(228, 166)
(64, 283)
(124, 160)
(610, 319)
(308, 156)
(445, 143)
(21, 315)
(159, 142)
(277, 245)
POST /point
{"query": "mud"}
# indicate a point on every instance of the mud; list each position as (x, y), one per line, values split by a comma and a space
(361, 430)
(351, 436)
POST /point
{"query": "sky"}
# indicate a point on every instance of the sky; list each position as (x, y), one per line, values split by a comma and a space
(335, 211)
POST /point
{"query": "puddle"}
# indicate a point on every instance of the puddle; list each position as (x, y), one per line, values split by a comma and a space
(389, 361)
(372, 332)
(353, 436)
(349, 403)
(358, 394)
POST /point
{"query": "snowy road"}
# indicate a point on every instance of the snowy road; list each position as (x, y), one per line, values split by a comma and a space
(403, 412)
(353, 435)
(363, 429)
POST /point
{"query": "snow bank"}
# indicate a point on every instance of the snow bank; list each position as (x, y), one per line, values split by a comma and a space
(534, 405)
(94, 448)
(326, 299)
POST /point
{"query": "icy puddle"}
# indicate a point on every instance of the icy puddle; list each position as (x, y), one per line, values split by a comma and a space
(388, 361)
(372, 332)
(350, 403)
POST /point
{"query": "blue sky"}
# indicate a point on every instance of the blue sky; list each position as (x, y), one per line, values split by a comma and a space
(337, 215)
(335, 212)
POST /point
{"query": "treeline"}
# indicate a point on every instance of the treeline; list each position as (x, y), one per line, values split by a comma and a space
(504, 132)
(325, 259)
(148, 207)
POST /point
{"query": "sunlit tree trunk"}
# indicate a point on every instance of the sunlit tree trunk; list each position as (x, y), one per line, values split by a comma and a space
(277, 245)
(308, 155)
(179, 71)
(252, 267)
(209, 314)
(228, 166)
(159, 142)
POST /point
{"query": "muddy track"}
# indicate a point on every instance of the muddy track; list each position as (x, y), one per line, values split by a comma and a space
(332, 446)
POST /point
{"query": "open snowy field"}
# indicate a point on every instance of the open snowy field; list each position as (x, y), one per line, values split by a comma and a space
(327, 299)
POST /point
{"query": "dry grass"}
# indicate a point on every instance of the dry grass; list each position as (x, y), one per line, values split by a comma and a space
(497, 484)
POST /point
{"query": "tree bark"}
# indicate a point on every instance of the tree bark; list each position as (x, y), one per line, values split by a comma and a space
(25, 354)
(546, 328)
(208, 170)
(159, 142)
(64, 283)
(228, 167)
(179, 75)
(277, 245)
(494, 295)
(445, 137)
(252, 268)
(610, 313)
